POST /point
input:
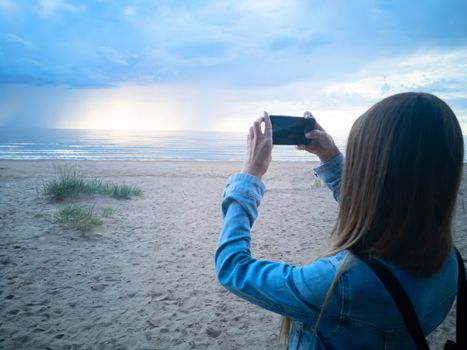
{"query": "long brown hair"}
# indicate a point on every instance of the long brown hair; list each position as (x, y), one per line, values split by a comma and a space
(402, 172)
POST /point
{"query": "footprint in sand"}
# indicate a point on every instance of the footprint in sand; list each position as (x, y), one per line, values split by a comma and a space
(13, 312)
(213, 332)
(164, 330)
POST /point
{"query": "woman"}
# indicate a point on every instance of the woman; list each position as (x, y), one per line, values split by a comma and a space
(397, 189)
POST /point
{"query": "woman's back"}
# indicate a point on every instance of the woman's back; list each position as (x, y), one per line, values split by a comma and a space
(363, 315)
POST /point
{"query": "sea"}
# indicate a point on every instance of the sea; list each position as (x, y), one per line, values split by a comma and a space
(80, 144)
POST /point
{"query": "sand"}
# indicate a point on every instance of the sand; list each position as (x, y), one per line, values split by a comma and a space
(145, 278)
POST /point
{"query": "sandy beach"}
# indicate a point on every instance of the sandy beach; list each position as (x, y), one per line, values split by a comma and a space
(145, 278)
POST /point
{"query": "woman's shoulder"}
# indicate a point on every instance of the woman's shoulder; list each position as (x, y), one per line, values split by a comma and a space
(339, 257)
(431, 296)
(327, 266)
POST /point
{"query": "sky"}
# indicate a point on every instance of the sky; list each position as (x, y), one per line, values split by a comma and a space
(217, 65)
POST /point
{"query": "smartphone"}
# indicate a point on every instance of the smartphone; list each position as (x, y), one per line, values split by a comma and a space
(287, 130)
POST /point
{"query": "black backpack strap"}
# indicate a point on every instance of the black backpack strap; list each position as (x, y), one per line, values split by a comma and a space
(461, 310)
(401, 299)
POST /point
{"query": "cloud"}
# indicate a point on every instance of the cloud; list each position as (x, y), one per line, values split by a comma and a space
(244, 43)
(440, 72)
(206, 106)
(227, 60)
(113, 55)
(6, 5)
(204, 50)
(16, 40)
(50, 7)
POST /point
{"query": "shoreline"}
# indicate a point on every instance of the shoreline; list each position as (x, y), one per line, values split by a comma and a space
(155, 160)
(150, 160)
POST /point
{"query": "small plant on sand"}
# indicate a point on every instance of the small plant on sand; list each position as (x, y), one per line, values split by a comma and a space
(71, 183)
(82, 219)
(316, 183)
(107, 212)
(124, 191)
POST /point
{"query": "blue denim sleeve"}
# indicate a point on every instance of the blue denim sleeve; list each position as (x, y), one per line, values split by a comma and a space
(294, 291)
(331, 173)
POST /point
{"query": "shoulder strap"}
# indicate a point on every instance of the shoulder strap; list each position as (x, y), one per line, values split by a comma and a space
(401, 299)
(461, 310)
(406, 307)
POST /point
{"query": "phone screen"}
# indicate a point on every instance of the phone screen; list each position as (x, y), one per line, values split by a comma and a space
(288, 130)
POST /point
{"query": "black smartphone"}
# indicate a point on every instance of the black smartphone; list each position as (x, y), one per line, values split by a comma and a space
(288, 130)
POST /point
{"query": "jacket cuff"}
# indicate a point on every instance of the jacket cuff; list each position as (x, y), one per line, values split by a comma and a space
(329, 171)
(245, 185)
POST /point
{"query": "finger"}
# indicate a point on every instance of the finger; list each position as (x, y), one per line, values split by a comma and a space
(308, 114)
(314, 134)
(257, 127)
(268, 125)
(260, 120)
(250, 133)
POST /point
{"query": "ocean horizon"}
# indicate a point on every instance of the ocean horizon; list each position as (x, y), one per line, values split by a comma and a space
(139, 145)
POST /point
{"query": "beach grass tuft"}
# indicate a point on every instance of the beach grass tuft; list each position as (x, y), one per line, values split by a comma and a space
(124, 191)
(71, 183)
(107, 212)
(316, 183)
(82, 219)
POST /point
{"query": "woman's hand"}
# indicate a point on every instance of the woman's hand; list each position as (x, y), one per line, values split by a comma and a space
(259, 148)
(321, 143)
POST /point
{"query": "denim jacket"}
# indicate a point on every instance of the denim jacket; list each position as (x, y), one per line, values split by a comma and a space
(360, 313)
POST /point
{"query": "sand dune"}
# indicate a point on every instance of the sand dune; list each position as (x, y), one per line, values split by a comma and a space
(145, 278)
